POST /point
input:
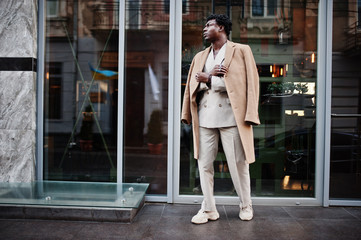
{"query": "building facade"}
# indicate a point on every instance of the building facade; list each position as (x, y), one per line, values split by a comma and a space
(91, 91)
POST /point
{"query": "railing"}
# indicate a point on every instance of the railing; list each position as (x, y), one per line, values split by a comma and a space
(106, 16)
(144, 15)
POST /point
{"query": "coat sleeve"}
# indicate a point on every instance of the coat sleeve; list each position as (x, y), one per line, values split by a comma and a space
(186, 108)
(252, 88)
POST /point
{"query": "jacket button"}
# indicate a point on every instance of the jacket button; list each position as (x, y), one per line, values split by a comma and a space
(205, 105)
(220, 105)
(207, 92)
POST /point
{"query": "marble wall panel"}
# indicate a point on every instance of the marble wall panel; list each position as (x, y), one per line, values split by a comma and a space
(17, 100)
(18, 28)
(17, 155)
(18, 39)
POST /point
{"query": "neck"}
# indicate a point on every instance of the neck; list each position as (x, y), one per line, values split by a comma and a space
(217, 44)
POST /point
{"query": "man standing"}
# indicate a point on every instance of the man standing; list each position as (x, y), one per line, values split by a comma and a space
(221, 101)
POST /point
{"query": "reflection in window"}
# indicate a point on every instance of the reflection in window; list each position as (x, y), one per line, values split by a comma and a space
(272, 70)
(53, 76)
(80, 94)
(52, 8)
(345, 154)
(166, 6)
(271, 7)
(285, 53)
(258, 8)
(359, 13)
(146, 94)
(264, 8)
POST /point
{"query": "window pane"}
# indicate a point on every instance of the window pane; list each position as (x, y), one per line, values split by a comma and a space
(359, 13)
(166, 6)
(285, 54)
(81, 84)
(52, 7)
(146, 95)
(345, 162)
(257, 8)
(272, 7)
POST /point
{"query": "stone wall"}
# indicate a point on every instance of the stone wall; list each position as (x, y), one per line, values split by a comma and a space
(18, 53)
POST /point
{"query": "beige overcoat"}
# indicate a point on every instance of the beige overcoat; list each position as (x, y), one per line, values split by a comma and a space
(242, 84)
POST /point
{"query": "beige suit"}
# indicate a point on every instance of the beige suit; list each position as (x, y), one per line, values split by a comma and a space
(227, 115)
(242, 84)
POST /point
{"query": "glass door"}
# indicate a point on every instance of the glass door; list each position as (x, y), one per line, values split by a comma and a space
(283, 39)
(80, 90)
(145, 96)
(345, 155)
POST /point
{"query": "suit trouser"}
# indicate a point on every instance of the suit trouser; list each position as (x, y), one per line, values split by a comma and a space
(237, 165)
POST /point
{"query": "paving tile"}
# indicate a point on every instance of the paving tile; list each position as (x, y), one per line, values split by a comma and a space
(4, 226)
(188, 210)
(38, 229)
(318, 213)
(4, 223)
(152, 209)
(267, 228)
(138, 229)
(219, 229)
(105, 230)
(182, 228)
(146, 219)
(172, 221)
(332, 228)
(180, 210)
(259, 212)
(354, 211)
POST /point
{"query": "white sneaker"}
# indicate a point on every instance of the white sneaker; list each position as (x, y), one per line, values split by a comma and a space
(246, 213)
(203, 217)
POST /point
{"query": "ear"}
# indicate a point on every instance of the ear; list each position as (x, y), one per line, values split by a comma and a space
(221, 28)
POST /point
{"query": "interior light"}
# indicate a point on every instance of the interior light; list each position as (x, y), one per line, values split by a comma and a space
(313, 57)
(286, 180)
(286, 67)
(281, 71)
(270, 68)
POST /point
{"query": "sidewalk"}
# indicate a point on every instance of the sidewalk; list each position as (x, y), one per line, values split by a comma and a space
(172, 221)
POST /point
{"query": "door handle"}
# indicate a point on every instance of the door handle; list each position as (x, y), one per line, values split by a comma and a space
(345, 115)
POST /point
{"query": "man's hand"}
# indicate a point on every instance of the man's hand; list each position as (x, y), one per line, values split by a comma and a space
(203, 77)
(219, 70)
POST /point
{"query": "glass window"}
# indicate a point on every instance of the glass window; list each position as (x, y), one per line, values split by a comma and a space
(54, 94)
(271, 7)
(359, 13)
(166, 5)
(264, 8)
(345, 160)
(285, 52)
(257, 8)
(52, 8)
(81, 84)
(146, 95)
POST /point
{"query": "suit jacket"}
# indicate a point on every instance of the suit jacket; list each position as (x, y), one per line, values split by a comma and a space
(242, 84)
(215, 110)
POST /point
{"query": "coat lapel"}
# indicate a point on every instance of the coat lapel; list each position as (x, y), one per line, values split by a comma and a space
(198, 68)
(229, 53)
